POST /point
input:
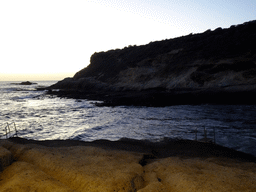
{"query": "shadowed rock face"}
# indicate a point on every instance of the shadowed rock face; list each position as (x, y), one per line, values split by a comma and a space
(223, 60)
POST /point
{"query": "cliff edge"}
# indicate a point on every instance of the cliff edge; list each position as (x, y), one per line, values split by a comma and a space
(211, 67)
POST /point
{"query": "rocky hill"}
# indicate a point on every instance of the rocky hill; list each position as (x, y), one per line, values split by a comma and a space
(211, 67)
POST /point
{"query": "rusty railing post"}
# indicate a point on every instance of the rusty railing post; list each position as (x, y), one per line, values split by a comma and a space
(16, 132)
(6, 131)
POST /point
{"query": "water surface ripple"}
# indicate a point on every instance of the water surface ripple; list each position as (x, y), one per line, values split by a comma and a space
(43, 117)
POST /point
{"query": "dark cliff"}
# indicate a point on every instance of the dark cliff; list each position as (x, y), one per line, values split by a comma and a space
(219, 62)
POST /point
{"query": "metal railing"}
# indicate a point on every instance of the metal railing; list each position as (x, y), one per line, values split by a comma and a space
(205, 137)
(8, 130)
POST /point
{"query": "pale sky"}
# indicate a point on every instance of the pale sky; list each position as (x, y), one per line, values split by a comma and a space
(53, 39)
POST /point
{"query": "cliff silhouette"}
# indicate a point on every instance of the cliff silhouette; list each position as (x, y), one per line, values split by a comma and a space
(212, 67)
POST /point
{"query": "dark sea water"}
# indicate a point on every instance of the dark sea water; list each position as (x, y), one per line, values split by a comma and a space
(41, 117)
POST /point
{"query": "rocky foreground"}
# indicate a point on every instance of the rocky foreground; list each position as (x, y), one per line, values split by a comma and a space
(216, 67)
(124, 165)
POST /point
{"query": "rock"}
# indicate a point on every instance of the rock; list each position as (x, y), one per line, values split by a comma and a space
(22, 176)
(192, 175)
(6, 158)
(24, 83)
(81, 168)
(75, 166)
(27, 83)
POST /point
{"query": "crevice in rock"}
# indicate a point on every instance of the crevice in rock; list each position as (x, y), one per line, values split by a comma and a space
(146, 158)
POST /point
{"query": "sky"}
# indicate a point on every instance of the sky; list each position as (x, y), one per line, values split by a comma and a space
(53, 39)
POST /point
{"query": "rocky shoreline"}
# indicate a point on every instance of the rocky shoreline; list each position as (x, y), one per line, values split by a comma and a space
(123, 165)
(160, 98)
(155, 150)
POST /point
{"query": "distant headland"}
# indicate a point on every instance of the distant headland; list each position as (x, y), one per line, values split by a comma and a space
(217, 67)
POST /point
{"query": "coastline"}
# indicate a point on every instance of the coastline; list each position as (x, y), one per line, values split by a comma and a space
(162, 149)
(159, 98)
(213, 67)
(123, 165)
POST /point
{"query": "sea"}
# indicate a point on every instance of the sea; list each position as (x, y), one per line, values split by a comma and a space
(36, 115)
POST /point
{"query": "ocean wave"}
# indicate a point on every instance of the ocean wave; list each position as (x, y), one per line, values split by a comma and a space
(26, 96)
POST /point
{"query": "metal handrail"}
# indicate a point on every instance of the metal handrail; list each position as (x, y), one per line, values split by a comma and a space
(8, 130)
(205, 139)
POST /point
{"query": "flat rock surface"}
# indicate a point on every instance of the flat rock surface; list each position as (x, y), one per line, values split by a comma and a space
(124, 165)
